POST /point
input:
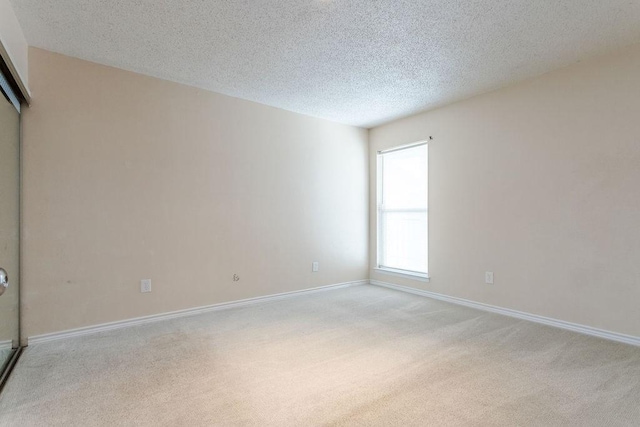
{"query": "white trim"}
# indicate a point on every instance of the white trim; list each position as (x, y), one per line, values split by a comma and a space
(17, 76)
(587, 330)
(393, 272)
(6, 345)
(404, 147)
(182, 313)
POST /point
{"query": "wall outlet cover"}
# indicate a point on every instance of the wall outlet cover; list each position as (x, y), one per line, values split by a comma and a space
(145, 285)
(488, 277)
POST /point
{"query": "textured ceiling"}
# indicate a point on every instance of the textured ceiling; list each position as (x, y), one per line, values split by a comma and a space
(361, 62)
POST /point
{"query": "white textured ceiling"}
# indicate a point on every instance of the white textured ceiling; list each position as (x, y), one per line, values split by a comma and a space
(361, 62)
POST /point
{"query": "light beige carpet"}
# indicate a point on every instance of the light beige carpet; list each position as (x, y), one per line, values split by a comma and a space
(355, 356)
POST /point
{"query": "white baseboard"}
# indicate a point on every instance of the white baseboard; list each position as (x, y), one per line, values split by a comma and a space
(181, 313)
(587, 330)
(6, 345)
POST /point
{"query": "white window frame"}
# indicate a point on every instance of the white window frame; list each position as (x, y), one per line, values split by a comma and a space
(416, 275)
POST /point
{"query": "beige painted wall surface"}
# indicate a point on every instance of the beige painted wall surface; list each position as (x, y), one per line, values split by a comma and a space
(539, 183)
(129, 177)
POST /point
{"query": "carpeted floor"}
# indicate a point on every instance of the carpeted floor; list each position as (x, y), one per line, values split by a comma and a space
(354, 356)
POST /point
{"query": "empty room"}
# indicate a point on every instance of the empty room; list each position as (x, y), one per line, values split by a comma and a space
(320, 213)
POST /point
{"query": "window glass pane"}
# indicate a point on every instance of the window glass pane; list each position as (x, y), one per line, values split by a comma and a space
(405, 240)
(404, 177)
(402, 209)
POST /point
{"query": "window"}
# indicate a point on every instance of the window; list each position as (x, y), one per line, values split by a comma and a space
(402, 210)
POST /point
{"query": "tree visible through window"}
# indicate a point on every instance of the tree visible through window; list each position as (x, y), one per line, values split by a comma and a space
(402, 209)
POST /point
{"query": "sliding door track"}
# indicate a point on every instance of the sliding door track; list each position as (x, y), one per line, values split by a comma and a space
(9, 367)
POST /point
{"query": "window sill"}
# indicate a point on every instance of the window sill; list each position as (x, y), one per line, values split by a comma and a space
(398, 273)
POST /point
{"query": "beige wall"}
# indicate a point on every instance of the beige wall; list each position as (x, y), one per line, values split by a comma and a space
(13, 45)
(129, 177)
(539, 183)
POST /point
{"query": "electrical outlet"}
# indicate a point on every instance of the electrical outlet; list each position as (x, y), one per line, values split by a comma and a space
(488, 277)
(315, 266)
(145, 285)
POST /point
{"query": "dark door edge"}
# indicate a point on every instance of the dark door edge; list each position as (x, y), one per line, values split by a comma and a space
(9, 368)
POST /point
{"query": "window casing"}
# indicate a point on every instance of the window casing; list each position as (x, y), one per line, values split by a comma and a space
(402, 213)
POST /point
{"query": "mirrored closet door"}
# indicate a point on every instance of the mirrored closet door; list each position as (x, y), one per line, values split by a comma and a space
(9, 222)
